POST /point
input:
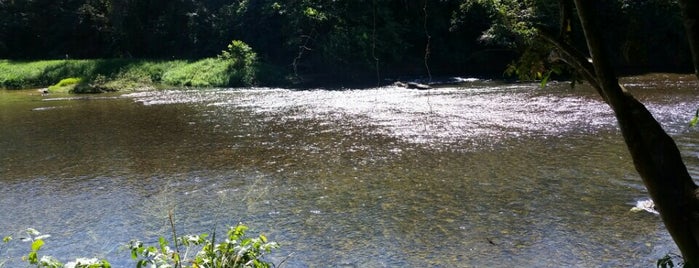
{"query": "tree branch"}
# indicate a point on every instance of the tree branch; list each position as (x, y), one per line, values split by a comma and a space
(574, 58)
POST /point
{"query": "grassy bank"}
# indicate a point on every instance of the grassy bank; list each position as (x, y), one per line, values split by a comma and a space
(126, 74)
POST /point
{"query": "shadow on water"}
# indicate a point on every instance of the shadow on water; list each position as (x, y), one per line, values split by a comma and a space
(479, 174)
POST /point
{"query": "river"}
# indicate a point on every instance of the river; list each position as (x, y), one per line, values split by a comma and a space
(474, 174)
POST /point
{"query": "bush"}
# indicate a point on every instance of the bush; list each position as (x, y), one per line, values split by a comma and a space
(65, 85)
(242, 61)
(235, 251)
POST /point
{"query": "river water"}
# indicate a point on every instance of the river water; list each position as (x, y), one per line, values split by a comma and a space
(475, 174)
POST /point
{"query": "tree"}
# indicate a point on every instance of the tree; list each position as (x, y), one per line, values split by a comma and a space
(655, 154)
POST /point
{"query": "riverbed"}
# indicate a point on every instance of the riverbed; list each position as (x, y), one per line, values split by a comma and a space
(478, 173)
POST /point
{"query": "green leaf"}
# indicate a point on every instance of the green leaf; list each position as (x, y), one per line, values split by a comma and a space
(695, 119)
(545, 80)
(32, 257)
(163, 243)
(37, 244)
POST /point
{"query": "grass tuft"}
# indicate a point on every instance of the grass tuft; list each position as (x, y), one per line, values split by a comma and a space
(65, 85)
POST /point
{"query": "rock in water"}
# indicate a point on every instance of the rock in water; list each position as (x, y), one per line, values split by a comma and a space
(411, 85)
(415, 85)
(645, 205)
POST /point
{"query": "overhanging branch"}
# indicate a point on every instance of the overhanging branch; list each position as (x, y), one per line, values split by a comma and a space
(574, 58)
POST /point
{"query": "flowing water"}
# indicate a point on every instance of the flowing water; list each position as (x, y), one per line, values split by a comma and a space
(476, 174)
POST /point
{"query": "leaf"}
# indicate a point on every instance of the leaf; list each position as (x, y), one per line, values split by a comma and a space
(32, 257)
(37, 244)
(546, 79)
(694, 121)
(163, 243)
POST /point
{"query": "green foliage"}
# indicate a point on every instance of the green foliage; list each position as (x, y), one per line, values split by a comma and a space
(16, 75)
(209, 72)
(65, 85)
(242, 63)
(5, 241)
(236, 67)
(68, 82)
(237, 250)
(695, 119)
(33, 258)
(512, 21)
(313, 38)
(129, 75)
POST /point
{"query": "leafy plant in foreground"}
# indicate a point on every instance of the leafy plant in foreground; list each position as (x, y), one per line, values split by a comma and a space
(36, 240)
(235, 251)
(694, 120)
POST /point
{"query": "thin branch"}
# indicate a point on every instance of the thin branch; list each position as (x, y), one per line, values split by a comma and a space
(373, 45)
(574, 58)
(427, 46)
(171, 216)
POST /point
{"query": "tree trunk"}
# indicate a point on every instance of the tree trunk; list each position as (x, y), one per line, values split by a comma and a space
(655, 155)
(690, 16)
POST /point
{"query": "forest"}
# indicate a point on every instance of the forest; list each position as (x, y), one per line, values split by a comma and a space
(329, 40)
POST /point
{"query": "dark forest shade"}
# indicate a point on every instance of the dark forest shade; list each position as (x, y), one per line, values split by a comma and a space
(341, 39)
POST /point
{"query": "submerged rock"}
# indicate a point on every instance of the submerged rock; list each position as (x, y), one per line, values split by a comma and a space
(645, 205)
(412, 85)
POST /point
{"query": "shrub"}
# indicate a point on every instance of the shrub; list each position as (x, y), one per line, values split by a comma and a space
(65, 85)
(242, 62)
(235, 251)
(36, 240)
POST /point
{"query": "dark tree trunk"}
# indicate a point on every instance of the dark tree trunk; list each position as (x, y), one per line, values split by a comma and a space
(655, 155)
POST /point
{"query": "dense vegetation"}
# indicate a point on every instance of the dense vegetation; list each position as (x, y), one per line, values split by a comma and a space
(235, 66)
(315, 40)
(236, 250)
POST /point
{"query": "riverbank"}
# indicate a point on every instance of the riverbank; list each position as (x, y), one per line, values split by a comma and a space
(108, 75)
(104, 75)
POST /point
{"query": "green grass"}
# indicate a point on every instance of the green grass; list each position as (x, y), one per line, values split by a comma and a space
(202, 73)
(125, 74)
(65, 85)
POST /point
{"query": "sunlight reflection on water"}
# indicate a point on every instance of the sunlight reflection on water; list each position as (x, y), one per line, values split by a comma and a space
(477, 174)
(441, 115)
